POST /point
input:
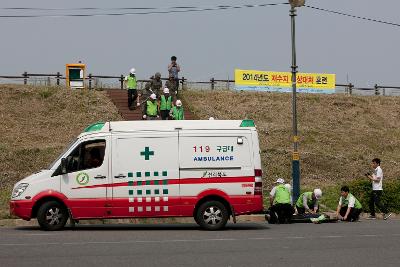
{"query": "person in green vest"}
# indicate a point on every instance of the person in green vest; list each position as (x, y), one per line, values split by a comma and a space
(150, 108)
(177, 112)
(349, 208)
(130, 84)
(308, 202)
(281, 203)
(166, 104)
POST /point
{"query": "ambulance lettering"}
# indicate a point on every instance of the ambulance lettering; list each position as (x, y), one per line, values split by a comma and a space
(210, 174)
(214, 158)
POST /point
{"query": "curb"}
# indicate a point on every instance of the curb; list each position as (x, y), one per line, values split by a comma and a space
(172, 220)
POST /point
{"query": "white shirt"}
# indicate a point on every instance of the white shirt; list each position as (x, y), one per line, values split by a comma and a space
(352, 201)
(378, 173)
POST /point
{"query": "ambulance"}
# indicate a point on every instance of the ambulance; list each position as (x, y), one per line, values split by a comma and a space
(209, 170)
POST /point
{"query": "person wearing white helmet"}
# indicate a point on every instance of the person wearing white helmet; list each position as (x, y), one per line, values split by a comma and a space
(130, 85)
(308, 202)
(281, 209)
(166, 104)
(150, 108)
(177, 112)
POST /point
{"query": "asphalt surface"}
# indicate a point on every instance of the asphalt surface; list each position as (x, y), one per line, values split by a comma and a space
(365, 243)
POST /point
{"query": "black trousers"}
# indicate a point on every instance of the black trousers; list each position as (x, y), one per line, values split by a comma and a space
(132, 96)
(281, 213)
(164, 114)
(376, 200)
(354, 214)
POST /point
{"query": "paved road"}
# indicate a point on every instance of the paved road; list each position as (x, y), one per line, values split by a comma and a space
(366, 243)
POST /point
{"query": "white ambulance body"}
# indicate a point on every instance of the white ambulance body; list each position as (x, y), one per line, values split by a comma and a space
(209, 170)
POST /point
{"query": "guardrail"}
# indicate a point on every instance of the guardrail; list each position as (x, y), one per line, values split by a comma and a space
(212, 84)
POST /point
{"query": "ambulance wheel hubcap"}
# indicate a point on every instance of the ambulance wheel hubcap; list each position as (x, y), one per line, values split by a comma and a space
(212, 215)
(53, 216)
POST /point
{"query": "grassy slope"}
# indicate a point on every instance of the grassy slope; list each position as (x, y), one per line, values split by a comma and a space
(339, 134)
(37, 123)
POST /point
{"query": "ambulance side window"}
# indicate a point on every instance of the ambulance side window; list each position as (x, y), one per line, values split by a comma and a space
(87, 155)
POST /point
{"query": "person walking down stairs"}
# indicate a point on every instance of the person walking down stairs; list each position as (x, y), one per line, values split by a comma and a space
(177, 112)
(130, 84)
(150, 108)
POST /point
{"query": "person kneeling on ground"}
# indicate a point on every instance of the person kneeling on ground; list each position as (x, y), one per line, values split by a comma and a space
(308, 202)
(280, 200)
(150, 108)
(349, 207)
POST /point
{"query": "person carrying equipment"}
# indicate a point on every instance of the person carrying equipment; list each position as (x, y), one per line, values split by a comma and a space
(308, 202)
(150, 108)
(280, 200)
(165, 104)
(177, 112)
(130, 84)
(349, 208)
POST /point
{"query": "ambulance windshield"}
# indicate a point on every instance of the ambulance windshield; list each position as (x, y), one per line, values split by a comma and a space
(52, 165)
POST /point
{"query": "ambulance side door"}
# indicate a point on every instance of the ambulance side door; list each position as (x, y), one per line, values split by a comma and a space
(145, 174)
(87, 177)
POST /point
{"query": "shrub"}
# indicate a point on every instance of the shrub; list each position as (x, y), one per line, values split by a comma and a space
(362, 189)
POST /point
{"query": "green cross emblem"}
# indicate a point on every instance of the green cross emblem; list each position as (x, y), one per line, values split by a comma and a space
(147, 153)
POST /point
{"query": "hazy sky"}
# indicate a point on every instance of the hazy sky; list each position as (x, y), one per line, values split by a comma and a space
(207, 44)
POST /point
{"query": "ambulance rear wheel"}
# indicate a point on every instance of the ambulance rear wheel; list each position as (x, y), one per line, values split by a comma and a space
(212, 215)
(52, 216)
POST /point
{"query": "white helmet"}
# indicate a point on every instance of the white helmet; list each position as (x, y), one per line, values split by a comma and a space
(166, 90)
(211, 118)
(153, 96)
(317, 193)
(280, 181)
(132, 71)
(178, 103)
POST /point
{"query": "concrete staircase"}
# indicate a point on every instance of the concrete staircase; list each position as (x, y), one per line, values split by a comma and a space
(120, 99)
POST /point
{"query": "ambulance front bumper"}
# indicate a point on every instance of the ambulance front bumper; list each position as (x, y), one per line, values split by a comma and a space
(21, 208)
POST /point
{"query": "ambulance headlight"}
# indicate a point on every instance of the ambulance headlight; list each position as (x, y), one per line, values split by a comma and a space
(19, 190)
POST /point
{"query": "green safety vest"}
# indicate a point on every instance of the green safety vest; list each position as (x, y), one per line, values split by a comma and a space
(282, 195)
(151, 108)
(131, 82)
(299, 202)
(177, 113)
(345, 202)
(166, 104)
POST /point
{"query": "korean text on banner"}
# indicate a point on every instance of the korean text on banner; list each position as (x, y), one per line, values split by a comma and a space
(270, 81)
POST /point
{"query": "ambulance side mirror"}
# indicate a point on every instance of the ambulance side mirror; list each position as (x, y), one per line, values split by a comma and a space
(64, 163)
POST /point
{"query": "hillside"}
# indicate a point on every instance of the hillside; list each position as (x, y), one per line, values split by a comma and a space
(339, 134)
(37, 123)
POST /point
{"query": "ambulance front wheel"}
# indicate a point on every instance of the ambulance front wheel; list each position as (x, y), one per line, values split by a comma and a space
(212, 215)
(52, 216)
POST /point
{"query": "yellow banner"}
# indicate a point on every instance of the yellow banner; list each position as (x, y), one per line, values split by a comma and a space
(284, 79)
